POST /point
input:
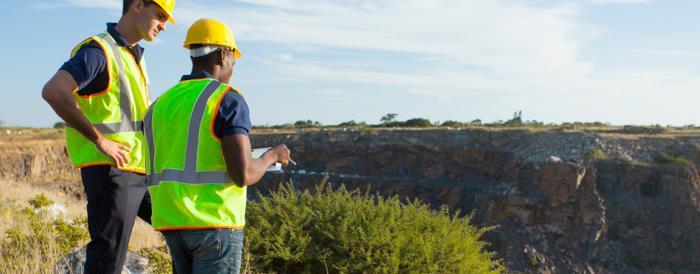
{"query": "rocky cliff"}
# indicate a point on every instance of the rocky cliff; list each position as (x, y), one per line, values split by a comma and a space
(562, 201)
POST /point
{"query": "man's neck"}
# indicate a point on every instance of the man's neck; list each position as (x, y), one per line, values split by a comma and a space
(127, 31)
(214, 72)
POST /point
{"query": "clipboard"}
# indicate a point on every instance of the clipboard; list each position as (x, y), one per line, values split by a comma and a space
(257, 152)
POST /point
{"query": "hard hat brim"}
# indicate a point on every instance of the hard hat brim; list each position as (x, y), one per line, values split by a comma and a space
(171, 19)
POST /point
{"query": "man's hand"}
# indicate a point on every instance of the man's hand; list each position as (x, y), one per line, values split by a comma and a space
(281, 154)
(119, 153)
(243, 169)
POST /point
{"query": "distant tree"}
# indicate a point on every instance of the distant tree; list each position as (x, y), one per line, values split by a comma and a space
(59, 125)
(451, 123)
(389, 118)
(417, 122)
(350, 123)
(517, 120)
(306, 124)
(475, 122)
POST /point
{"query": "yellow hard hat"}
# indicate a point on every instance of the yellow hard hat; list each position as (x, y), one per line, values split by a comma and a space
(207, 31)
(167, 6)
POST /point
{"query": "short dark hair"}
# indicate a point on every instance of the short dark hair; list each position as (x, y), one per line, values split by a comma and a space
(127, 5)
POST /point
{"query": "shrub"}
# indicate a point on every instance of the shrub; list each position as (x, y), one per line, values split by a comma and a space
(341, 231)
(158, 259)
(35, 244)
(352, 123)
(451, 123)
(595, 154)
(664, 158)
(417, 122)
(306, 124)
(40, 201)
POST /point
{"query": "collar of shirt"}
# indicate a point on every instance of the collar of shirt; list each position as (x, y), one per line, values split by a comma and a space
(199, 75)
(121, 41)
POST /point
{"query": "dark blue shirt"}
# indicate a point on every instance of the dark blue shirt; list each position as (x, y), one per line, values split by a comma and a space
(89, 66)
(233, 116)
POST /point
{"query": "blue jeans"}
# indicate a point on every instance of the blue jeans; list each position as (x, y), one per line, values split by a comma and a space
(205, 251)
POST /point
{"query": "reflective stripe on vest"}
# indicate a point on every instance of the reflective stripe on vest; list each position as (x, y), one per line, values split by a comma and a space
(126, 125)
(117, 111)
(189, 175)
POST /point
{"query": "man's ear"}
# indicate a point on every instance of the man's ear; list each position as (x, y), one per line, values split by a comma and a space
(137, 6)
(222, 57)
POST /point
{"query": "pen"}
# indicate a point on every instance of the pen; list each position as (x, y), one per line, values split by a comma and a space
(292, 161)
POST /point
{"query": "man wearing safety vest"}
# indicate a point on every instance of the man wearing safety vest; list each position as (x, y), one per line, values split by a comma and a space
(199, 157)
(101, 92)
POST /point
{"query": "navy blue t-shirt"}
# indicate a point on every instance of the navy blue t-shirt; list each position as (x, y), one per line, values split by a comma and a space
(233, 116)
(89, 65)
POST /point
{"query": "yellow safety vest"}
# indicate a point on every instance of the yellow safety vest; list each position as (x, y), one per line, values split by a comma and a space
(189, 184)
(117, 112)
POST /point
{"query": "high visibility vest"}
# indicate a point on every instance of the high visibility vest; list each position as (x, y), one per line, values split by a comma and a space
(117, 112)
(189, 185)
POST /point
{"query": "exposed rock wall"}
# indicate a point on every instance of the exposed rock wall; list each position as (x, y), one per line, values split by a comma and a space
(557, 208)
(40, 161)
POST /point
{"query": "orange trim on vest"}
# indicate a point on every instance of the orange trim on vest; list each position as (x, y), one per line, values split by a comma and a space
(199, 227)
(218, 103)
(112, 165)
(109, 72)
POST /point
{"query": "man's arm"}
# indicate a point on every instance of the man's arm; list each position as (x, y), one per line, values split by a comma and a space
(242, 168)
(58, 92)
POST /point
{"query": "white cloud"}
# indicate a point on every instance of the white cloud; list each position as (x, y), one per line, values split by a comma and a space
(515, 53)
(500, 37)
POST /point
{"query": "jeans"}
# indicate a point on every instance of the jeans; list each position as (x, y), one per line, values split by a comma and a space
(115, 197)
(205, 251)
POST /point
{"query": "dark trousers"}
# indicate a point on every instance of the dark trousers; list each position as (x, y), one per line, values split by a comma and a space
(115, 198)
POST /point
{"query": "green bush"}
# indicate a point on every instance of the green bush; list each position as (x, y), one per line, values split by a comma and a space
(59, 125)
(306, 124)
(451, 123)
(35, 244)
(40, 201)
(158, 259)
(417, 122)
(595, 154)
(664, 158)
(341, 231)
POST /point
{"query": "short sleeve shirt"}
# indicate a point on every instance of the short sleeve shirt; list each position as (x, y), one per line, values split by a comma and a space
(88, 66)
(233, 116)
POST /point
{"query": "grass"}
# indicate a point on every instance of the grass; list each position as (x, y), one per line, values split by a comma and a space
(664, 158)
(32, 244)
(335, 231)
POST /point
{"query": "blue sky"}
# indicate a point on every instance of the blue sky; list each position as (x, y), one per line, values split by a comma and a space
(617, 61)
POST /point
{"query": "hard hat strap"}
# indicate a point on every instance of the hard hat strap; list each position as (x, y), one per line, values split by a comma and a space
(201, 51)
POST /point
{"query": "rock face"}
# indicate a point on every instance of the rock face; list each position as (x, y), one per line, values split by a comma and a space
(38, 158)
(558, 209)
(563, 202)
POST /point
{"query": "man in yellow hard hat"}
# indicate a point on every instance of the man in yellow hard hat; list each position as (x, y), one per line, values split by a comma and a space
(199, 158)
(101, 92)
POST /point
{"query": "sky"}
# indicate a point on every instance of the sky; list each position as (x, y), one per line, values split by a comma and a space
(617, 61)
